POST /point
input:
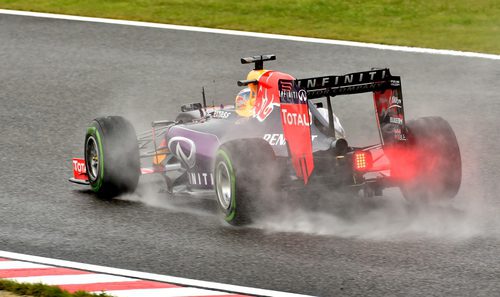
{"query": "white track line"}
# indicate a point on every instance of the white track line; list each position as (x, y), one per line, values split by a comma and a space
(148, 276)
(255, 34)
(77, 279)
(5, 265)
(167, 292)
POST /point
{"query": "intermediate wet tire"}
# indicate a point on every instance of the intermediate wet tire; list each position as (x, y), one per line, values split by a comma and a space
(246, 176)
(112, 156)
(437, 163)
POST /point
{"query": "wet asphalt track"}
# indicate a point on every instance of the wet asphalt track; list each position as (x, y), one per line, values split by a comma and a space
(55, 76)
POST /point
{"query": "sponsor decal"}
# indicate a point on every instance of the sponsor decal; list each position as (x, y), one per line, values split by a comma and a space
(265, 106)
(344, 84)
(79, 169)
(395, 100)
(394, 120)
(395, 83)
(275, 139)
(336, 81)
(279, 139)
(295, 118)
(201, 178)
(79, 166)
(184, 149)
(399, 135)
(221, 114)
(289, 95)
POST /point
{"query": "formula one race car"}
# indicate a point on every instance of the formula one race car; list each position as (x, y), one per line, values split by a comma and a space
(280, 135)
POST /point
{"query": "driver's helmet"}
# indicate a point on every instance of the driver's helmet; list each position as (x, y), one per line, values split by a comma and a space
(245, 103)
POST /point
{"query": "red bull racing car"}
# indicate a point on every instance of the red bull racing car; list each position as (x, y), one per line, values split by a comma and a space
(280, 135)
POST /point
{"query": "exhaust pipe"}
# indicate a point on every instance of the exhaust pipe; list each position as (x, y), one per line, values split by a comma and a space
(340, 147)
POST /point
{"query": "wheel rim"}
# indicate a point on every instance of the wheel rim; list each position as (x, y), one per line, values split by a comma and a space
(92, 158)
(223, 180)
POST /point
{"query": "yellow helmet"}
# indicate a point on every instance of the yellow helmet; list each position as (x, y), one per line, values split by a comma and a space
(243, 103)
(245, 100)
(254, 75)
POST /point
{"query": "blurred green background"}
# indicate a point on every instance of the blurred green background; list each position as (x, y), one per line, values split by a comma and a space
(461, 24)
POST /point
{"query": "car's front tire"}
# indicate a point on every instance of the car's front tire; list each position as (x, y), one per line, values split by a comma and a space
(112, 156)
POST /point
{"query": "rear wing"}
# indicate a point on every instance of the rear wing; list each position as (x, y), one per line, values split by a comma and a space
(295, 96)
(352, 83)
(387, 96)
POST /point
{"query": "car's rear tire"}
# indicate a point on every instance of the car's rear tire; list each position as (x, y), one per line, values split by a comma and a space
(112, 156)
(246, 176)
(437, 162)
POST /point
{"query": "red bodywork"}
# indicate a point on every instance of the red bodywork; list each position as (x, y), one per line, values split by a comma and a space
(295, 119)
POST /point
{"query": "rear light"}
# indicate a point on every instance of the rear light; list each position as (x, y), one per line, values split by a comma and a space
(362, 161)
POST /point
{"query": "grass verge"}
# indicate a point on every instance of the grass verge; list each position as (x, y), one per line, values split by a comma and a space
(471, 25)
(40, 290)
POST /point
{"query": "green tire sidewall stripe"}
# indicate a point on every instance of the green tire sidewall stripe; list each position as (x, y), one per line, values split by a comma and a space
(232, 210)
(98, 184)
